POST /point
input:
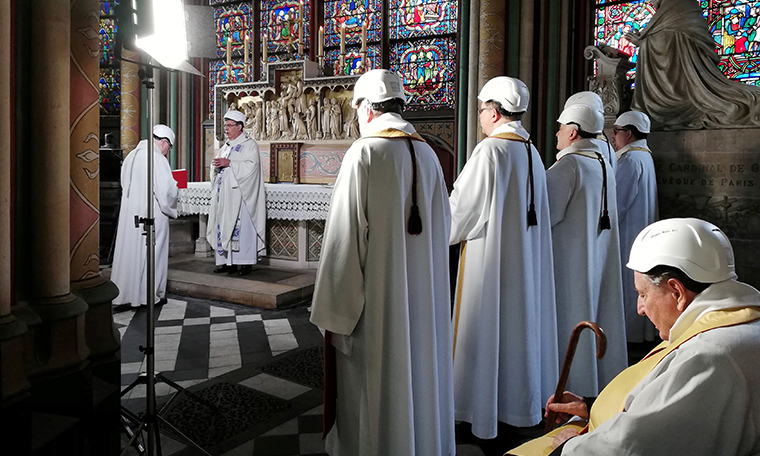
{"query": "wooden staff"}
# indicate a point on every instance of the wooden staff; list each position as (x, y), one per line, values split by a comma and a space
(601, 347)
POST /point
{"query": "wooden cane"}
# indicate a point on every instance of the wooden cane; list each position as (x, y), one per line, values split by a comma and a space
(601, 347)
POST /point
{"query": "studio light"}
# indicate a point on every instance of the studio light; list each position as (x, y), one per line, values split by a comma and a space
(168, 43)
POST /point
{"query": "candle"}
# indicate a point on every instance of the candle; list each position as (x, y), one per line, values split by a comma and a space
(229, 50)
(301, 23)
(265, 49)
(321, 42)
(342, 38)
(245, 56)
(364, 37)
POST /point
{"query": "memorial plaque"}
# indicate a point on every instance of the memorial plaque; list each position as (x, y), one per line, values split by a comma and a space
(714, 175)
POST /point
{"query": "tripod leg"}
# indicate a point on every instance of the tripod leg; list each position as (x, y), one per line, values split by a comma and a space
(185, 438)
(133, 438)
(181, 389)
(140, 380)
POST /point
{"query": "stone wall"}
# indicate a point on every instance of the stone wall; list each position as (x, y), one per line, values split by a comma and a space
(714, 175)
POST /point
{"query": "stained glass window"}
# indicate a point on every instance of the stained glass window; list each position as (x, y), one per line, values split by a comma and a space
(110, 73)
(110, 90)
(423, 51)
(733, 24)
(353, 17)
(108, 41)
(232, 22)
(282, 21)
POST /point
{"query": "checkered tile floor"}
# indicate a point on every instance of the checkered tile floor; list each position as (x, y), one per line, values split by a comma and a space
(217, 349)
(201, 344)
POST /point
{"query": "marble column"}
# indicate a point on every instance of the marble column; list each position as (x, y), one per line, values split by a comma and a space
(12, 374)
(60, 338)
(86, 281)
(130, 102)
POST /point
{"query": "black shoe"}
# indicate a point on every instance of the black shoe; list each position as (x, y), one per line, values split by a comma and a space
(162, 301)
(222, 268)
(245, 270)
(232, 269)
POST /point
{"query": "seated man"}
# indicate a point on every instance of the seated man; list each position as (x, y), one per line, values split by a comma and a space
(697, 393)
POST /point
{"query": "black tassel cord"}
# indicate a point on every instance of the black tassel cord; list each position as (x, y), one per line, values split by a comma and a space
(604, 220)
(532, 219)
(414, 224)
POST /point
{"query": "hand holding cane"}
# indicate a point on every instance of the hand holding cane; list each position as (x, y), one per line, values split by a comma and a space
(601, 347)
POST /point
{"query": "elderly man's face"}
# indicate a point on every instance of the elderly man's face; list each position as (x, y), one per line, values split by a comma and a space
(658, 303)
(232, 129)
(565, 136)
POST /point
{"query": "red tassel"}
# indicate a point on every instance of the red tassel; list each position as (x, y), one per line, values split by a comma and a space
(415, 222)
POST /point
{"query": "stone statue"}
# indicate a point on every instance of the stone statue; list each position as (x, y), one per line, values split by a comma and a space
(299, 126)
(678, 82)
(336, 118)
(311, 119)
(326, 119)
(351, 125)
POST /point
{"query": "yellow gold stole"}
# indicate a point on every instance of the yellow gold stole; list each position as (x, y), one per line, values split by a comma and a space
(393, 133)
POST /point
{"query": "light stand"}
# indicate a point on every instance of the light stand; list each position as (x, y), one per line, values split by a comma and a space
(150, 420)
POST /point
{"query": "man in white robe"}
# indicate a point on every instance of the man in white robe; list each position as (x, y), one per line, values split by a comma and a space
(130, 254)
(382, 288)
(637, 206)
(505, 327)
(587, 276)
(237, 218)
(695, 393)
(594, 101)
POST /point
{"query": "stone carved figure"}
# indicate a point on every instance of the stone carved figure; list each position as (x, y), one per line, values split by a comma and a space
(311, 119)
(326, 118)
(299, 126)
(351, 125)
(336, 118)
(678, 82)
(258, 120)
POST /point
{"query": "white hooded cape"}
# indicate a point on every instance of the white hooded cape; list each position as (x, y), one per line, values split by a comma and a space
(387, 293)
(129, 259)
(587, 269)
(505, 361)
(637, 209)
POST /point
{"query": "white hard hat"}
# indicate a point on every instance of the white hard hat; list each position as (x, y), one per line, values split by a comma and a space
(162, 131)
(635, 118)
(698, 248)
(585, 98)
(237, 116)
(512, 94)
(587, 118)
(377, 86)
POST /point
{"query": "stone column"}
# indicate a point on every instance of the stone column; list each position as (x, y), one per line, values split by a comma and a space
(492, 30)
(60, 338)
(130, 102)
(86, 281)
(12, 375)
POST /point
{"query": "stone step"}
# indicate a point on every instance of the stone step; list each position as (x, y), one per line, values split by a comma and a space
(265, 286)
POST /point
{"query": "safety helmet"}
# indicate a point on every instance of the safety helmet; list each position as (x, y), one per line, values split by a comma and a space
(512, 94)
(635, 118)
(698, 248)
(586, 98)
(234, 115)
(377, 86)
(587, 118)
(162, 131)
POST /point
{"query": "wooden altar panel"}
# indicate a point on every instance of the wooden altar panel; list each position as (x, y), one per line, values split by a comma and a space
(284, 162)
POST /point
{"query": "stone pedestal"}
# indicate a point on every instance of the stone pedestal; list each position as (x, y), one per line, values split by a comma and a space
(714, 175)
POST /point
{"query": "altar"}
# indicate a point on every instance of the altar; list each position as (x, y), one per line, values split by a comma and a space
(296, 215)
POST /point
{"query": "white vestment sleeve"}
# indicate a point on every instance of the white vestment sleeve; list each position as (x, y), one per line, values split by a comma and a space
(695, 407)
(165, 187)
(339, 289)
(561, 180)
(471, 198)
